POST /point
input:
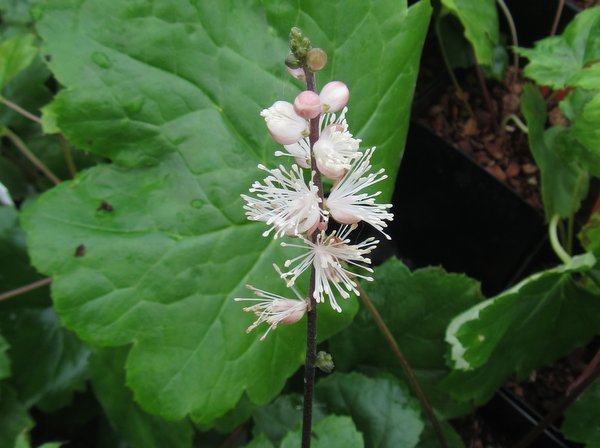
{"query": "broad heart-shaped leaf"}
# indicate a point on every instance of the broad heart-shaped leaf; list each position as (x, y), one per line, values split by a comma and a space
(330, 432)
(564, 181)
(535, 322)
(480, 22)
(16, 54)
(582, 418)
(417, 307)
(138, 428)
(557, 61)
(171, 93)
(382, 408)
(4, 359)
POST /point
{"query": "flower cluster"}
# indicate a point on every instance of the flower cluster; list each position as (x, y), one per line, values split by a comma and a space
(290, 206)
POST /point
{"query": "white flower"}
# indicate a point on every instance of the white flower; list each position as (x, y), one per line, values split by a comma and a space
(284, 124)
(300, 150)
(284, 202)
(334, 96)
(327, 254)
(348, 206)
(273, 309)
(335, 150)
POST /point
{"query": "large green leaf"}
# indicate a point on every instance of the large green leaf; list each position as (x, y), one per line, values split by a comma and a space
(564, 181)
(558, 61)
(171, 93)
(535, 322)
(582, 419)
(479, 19)
(367, 400)
(417, 307)
(138, 428)
(329, 432)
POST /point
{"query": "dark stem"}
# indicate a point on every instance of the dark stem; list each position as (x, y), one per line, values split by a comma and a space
(586, 378)
(559, 9)
(23, 289)
(406, 368)
(486, 94)
(311, 331)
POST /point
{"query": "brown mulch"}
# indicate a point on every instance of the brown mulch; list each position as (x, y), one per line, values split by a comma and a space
(503, 153)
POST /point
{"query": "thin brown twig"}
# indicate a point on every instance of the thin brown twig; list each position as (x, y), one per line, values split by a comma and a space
(513, 34)
(559, 10)
(23, 289)
(406, 368)
(66, 149)
(20, 110)
(21, 146)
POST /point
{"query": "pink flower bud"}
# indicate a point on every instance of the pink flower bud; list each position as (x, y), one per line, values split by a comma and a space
(307, 104)
(297, 73)
(285, 126)
(334, 96)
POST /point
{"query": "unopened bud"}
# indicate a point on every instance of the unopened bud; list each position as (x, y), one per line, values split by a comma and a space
(307, 104)
(292, 61)
(299, 44)
(316, 59)
(324, 362)
(334, 96)
(284, 124)
(297, 73)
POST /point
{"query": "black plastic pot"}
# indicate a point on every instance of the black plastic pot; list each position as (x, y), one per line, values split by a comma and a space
(450, 212)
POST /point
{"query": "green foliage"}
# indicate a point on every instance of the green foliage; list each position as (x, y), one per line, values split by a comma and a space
(560, 61)
(48, 362)
(160, 268)
(366, 400)
(329, 432)
(535, 322)
(564, 182)
(16, 54)
(480, 22)
(138, 428)
(4, 360)
(582, 419)
(417, 307)
(14, 421)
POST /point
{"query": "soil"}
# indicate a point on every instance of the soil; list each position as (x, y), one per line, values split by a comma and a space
(548, 385)
(504, 153)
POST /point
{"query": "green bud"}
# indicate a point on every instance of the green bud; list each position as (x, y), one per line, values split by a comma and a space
(316, 59)
(324, 362)
(292, 61)
(299, 44)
